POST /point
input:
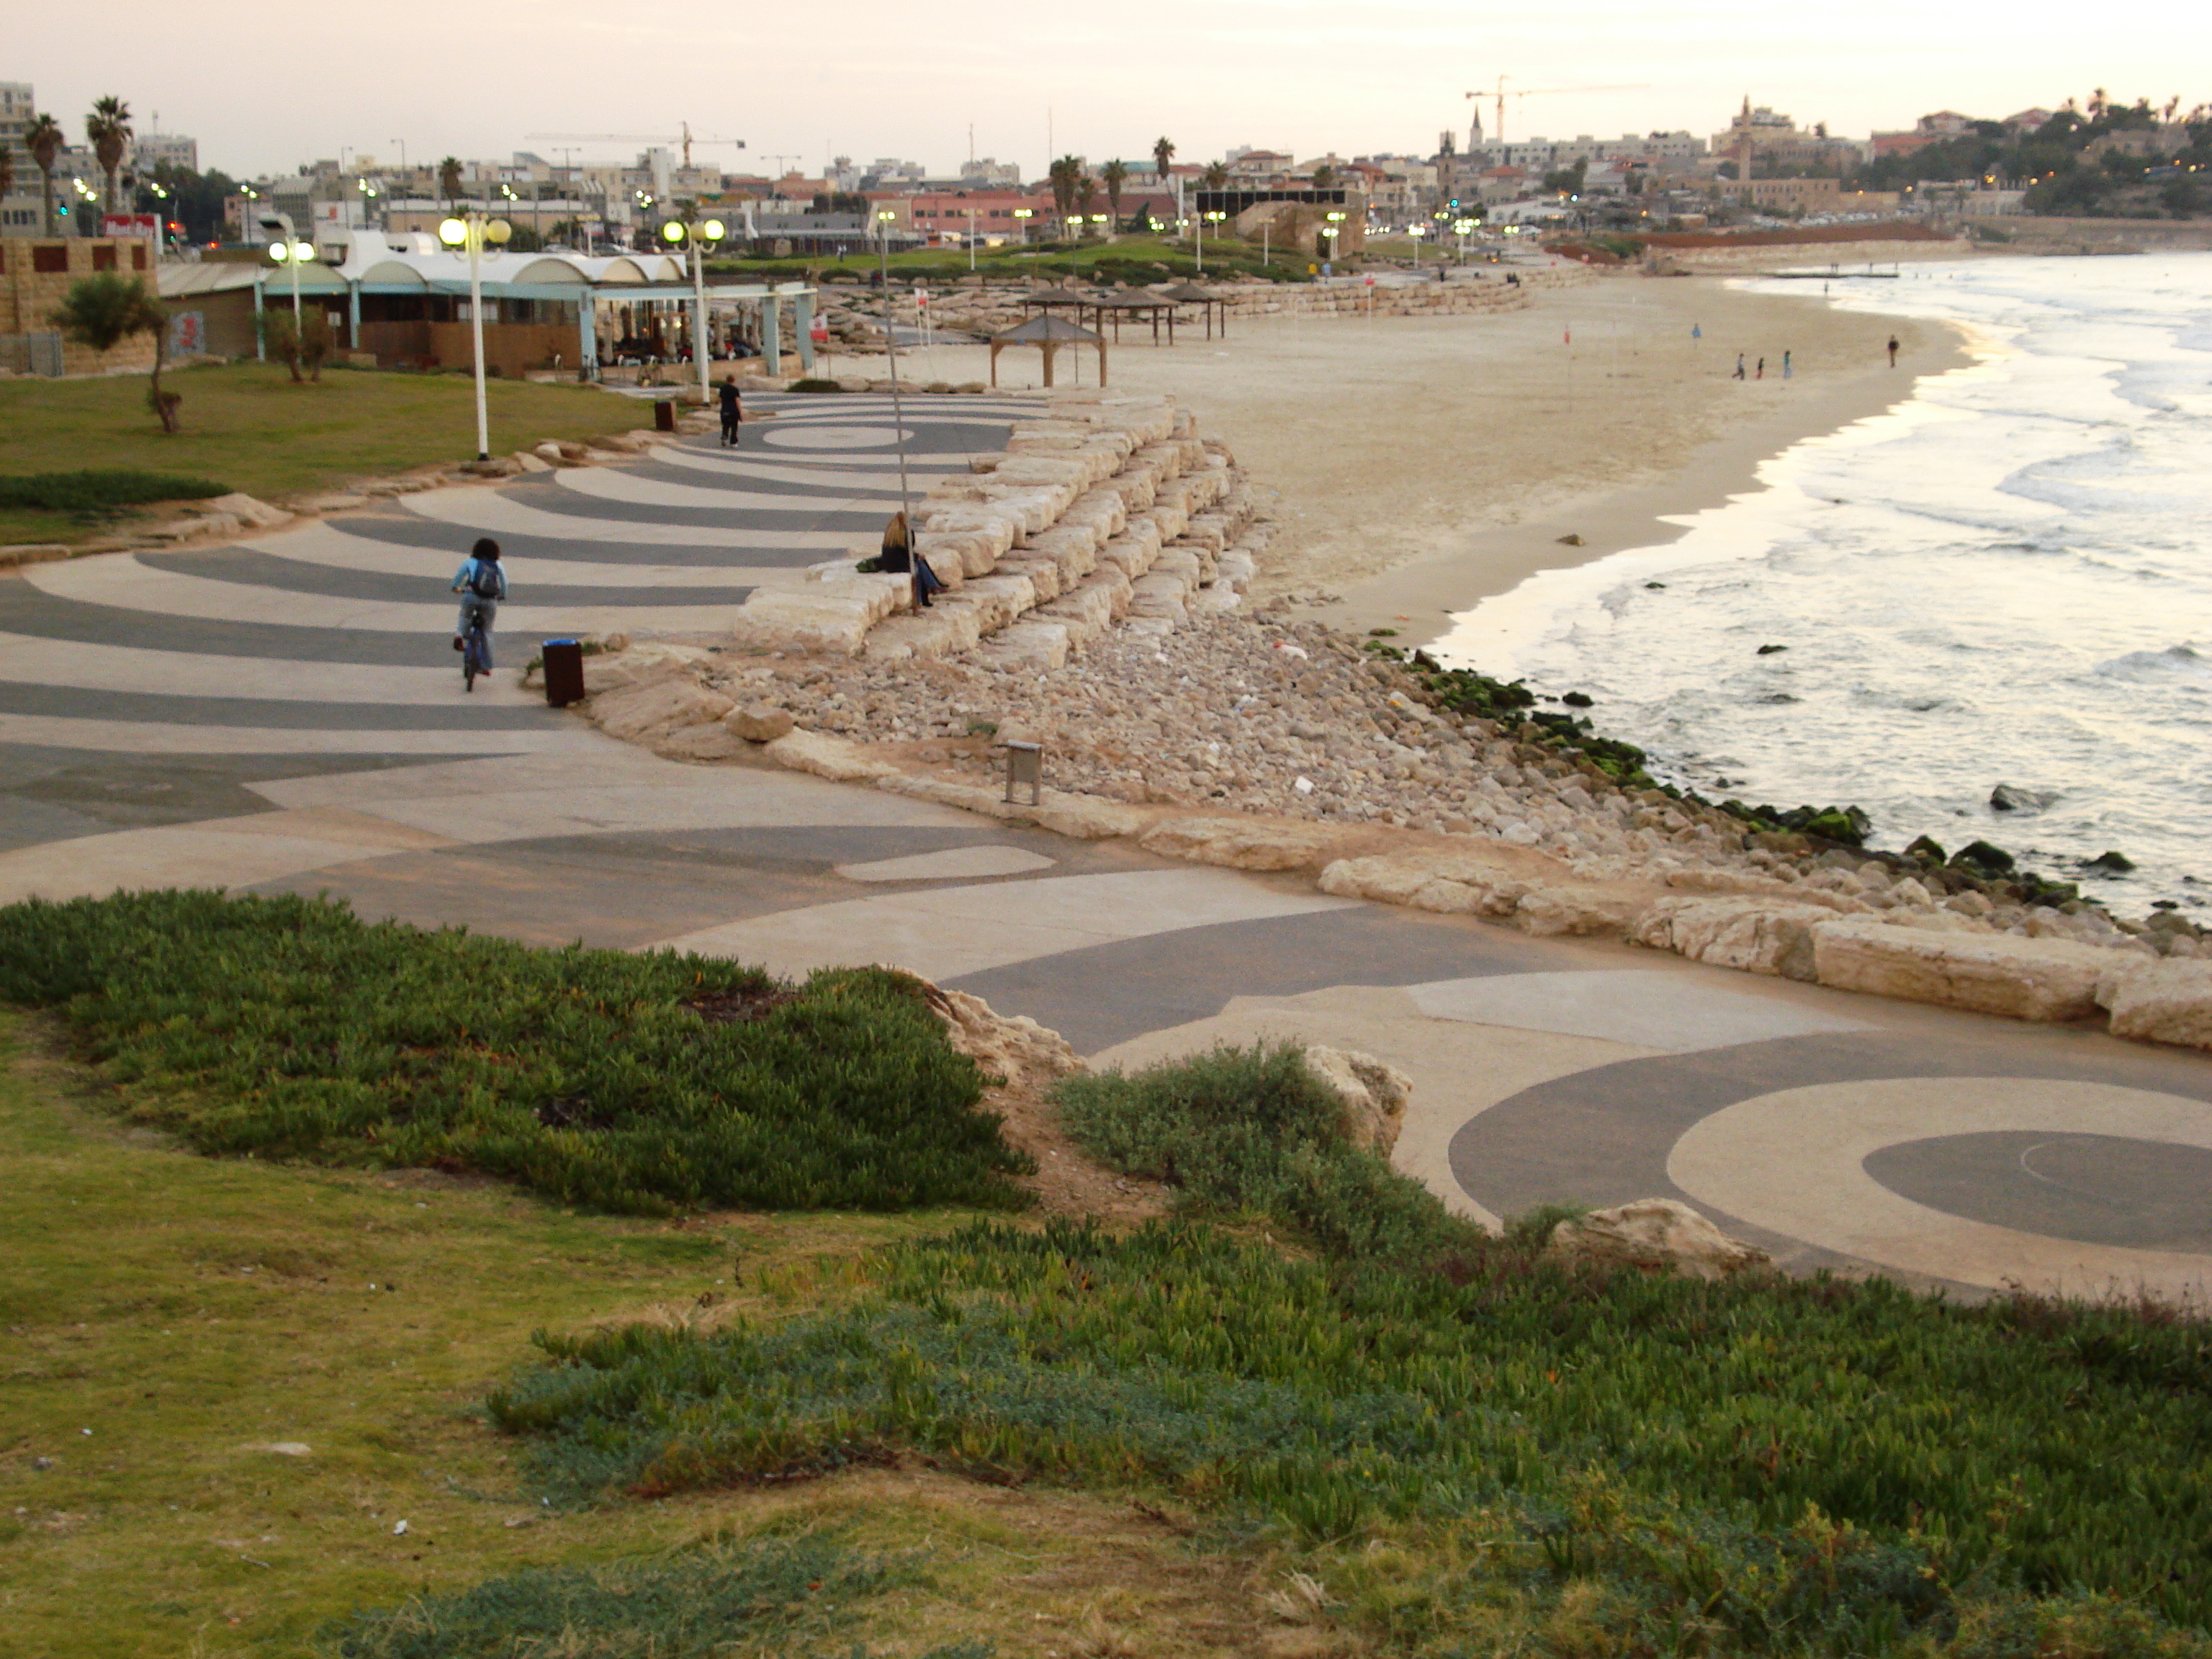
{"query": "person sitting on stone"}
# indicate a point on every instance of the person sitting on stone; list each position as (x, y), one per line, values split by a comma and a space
(901, 558)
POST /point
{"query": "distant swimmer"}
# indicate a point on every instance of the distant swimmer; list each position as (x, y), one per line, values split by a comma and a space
(1893, 351)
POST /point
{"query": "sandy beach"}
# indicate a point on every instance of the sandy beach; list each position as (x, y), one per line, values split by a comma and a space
(1417, 465)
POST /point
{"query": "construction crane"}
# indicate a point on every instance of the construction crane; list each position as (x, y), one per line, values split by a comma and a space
(683, 138)
(1501, 94)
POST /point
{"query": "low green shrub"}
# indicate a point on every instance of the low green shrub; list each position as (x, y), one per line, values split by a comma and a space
(99, 494)
(1789, 1467)
(633, 1083)
(780, 1596)
(1254, 1130)
(816, 385)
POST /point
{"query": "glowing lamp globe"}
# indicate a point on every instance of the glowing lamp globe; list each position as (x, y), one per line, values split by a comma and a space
(672, 232)
(497, 232)
(280, 252)
(303, 251)
(714, 230)
(452, 232)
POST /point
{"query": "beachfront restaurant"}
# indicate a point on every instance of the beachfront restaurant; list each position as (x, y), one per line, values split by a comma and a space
(393, 307)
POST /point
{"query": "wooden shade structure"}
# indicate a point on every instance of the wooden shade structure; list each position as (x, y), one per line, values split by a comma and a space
(1048, 334)
(1190, 293)
(1132, 302)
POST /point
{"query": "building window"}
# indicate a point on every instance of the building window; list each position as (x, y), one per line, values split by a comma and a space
(137, 256)
(50, 258)
(103, 256)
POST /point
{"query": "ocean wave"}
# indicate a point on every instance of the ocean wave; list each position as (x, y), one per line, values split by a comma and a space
(2176, 665)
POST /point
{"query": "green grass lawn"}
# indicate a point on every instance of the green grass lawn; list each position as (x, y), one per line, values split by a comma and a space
(249, 426)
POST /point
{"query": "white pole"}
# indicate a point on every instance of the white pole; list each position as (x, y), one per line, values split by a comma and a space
(898, 411)
(698, 310)
(475, 328)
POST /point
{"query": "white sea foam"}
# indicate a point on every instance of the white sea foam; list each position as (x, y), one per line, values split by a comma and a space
(1996, 582)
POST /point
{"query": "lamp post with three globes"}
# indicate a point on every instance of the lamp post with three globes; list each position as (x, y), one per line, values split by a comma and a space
(468, 233)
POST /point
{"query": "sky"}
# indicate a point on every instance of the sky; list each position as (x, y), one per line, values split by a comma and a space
(265, 90)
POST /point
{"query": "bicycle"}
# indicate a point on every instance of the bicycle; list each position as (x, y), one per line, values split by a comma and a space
(476, 651)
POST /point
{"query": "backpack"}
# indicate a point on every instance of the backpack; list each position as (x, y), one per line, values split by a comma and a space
(483, 580)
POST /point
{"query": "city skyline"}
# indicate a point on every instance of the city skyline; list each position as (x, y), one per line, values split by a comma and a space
(902, 87)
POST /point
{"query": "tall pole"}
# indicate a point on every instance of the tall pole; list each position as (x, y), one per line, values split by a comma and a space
(476, 223)
(698, 309)
(890, 347)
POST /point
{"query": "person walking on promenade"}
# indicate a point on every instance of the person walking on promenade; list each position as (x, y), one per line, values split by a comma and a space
(1739, 365)
(482, 585)
(901, 558)
(1893, 351)
(733, 412)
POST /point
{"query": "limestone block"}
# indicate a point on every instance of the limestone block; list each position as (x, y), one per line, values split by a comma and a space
(1084, 818)
(1241, 843)
(1026, 1054)
(1166, 518)
(1159, 596)
(1165, 458)
(2168, 1001)
(1133, 554)
(997, 600)
(1029, 644)
(1179, 563)
(1074, 548)
(1112, 581)
(1037, 507)
(642, 666)
(827, 756)
(832, 615)
(2045, 979)
(1045, 437)
(699, 743)
(1235, 571)
(946, 791)
(1214, 601)
(946, 629)
(1374, 1095)
(530, 463)
(1137, 487)
(963, 553)
(758, 722)
(998, 527)
(1757, 935)
(1085, 611)
(1043, 470)
(248, 511)
(1044, 575)
(1575, 908)
(639, 714)
(1209, 531)
(1656, 1235)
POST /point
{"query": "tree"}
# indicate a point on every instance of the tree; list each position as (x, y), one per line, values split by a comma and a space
(1062, 175)
(1216, 176)
(1086, 195)
(106, 308)
(1116, 173)
(298, 345)
(449, 179)
(1163, 153)
(45, 139)
(108, 126)
(1324, 177)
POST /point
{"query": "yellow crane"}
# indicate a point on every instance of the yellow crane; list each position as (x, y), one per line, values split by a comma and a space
(684, 137)
(1501, 94)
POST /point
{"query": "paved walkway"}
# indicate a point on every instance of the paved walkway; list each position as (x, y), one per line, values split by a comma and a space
(286, 715)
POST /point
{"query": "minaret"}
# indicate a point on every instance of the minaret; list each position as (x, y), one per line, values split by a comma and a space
(1743, 166)
(1474, 130)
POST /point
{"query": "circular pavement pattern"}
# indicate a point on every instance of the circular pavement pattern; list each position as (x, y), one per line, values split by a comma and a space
(1802, 1161)
(834, 437)
(2096, 1189)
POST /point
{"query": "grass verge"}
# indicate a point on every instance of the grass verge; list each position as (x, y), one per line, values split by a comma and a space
(249, 424)
(1470, 1448)
(287, 1028)
(100, 495)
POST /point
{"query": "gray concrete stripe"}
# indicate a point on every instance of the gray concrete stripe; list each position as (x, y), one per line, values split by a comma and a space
(24, 610)
(462, 714)
(250, 567)
(526, 549)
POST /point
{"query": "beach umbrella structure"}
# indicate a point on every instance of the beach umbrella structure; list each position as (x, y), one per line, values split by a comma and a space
(1048, 334)
(1133, 303)
(1190, 293)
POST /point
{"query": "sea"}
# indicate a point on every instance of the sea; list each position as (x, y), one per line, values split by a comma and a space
(2006, 580)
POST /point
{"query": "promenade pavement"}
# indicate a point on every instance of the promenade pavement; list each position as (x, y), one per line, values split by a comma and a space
(286, 715)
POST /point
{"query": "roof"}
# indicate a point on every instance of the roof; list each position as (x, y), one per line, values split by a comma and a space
(1187, 293)
(1039, 330)
(178, 281)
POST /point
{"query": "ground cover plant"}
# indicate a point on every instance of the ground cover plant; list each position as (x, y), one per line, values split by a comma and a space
(250, 425)
(288, 1028)
(1475, 1447)
(97, 495)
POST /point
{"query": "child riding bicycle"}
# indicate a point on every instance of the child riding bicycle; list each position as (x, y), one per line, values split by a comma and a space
(482, 585)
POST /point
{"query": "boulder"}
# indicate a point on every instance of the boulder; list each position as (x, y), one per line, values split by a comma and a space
(641, 713)
(758, 722)
(1026, 1054)
(1242, 843)
(2042, 979)
(1084, 818)
(1374, 1095)
(611, 670)
(2168, 1001)
(246, 510)
(827, 756)
(1656, 1235)
(1756, 935)
(699, 743)
(1575, 908)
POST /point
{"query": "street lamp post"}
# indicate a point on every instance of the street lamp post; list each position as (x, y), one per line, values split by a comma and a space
(1416, 232)
(470, 235)
(884, 217)
(1022, 217)
(1198, 237)
(289, 251)
(692, 233)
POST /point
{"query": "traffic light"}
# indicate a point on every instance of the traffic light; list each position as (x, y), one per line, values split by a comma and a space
(1454, 204)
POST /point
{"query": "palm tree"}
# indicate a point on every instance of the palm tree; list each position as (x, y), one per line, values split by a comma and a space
(1086, 195)
(1217, 175)
(1116, 173)
(108, 126)
(449, 179)
(45, 139)
(106, 309)
(1163, 153)
(1062, 175)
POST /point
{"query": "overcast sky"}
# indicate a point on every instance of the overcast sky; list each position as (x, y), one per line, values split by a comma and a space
(263, 89)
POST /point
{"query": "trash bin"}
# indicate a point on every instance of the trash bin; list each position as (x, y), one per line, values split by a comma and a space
(564, 672)
(664, 415)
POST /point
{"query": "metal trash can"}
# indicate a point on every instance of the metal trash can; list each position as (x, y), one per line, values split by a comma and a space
(663, 414)
(564, 672)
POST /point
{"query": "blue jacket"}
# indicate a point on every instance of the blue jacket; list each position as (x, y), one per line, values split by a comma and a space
(464, 581)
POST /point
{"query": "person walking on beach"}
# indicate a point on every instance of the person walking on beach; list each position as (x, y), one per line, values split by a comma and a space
(1785, 366)
(1739, 365)
(733, 412)
(482, 585)
(1893, 351)
(1762, 370)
